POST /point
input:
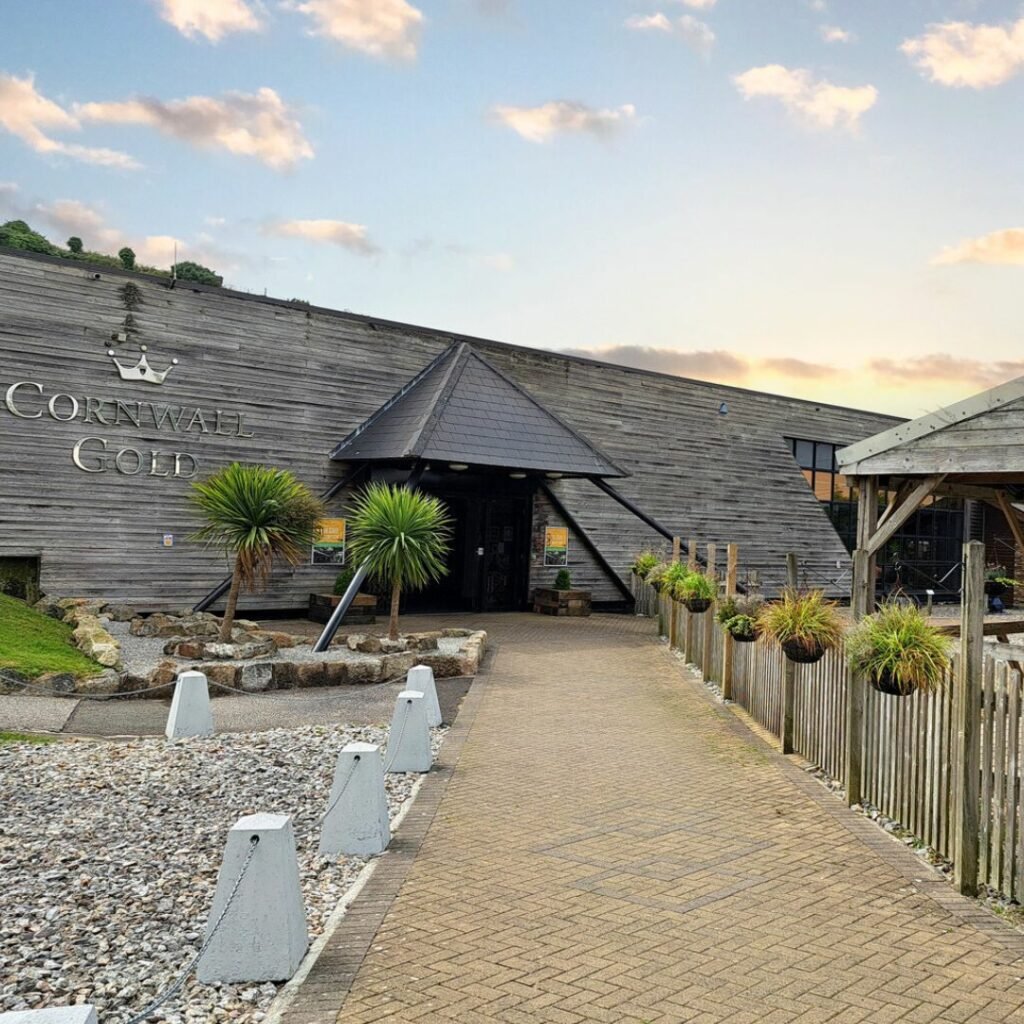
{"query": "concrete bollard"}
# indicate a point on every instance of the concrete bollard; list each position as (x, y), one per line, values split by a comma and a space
(409, 738)
(263, 937)
(421, 677)
(83, 1014)
(190, 708)
(357, 821)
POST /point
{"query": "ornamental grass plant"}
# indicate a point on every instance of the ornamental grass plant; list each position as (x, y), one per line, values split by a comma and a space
(899, 651)
(804, 624)
(644, 563)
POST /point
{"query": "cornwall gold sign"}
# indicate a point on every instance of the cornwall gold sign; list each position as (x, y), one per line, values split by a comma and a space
(556, 545)
(94, 453)
(329, 547)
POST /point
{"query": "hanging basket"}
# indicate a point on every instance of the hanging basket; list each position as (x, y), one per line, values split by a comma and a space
(743, 638)
(993, 588)
(796, 651)
(697, 604)
(884, 682)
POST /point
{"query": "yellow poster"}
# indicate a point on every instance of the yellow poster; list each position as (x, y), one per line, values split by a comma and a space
(556, 545)
(329, 548)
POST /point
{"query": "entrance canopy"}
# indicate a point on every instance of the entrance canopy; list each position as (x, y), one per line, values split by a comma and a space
(463, 411)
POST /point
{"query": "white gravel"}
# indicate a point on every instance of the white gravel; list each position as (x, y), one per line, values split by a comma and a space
(109, 854)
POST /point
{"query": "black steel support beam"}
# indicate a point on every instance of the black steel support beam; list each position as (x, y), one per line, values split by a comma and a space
(588, 543)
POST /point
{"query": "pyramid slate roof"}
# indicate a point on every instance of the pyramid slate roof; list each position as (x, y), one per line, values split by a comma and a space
(461, 408)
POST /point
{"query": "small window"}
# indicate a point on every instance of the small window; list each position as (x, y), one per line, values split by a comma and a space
(824, 456)
(804, 453)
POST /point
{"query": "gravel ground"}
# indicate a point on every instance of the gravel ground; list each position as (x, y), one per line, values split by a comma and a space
(109, 854)
(142, 654)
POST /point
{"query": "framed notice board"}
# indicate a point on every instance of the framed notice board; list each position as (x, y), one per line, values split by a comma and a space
(556, 545)
(329, 548)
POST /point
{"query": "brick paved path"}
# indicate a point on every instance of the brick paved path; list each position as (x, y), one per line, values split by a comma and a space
(613, 846)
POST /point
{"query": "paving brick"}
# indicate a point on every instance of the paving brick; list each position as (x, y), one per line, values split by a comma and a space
(603, 843)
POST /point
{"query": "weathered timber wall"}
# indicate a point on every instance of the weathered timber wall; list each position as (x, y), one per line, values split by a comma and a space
(301, 378)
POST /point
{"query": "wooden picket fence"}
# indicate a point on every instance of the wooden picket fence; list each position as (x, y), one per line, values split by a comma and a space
(911, 744)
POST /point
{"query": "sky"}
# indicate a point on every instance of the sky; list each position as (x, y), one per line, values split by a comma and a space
(814, 197)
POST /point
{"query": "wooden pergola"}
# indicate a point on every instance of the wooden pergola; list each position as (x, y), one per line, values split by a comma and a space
(973, 450)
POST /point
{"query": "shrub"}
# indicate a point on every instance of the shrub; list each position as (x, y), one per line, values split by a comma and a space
(898, 647)
(189, 271)
(127, 258)
(644, 563)
(256, 515)
(697, 586)
(802, 622)
(402, 536)
(563, 581)
(343, 579)
(18, 235)
(738, 615)
(75, 244)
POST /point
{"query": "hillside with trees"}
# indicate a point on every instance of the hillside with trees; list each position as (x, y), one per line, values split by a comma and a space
(18, 235)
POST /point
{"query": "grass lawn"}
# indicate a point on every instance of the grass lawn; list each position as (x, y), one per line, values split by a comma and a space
(24, 737)
(34, 643)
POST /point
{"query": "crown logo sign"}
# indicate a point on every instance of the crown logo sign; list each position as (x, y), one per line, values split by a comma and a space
(142, 370)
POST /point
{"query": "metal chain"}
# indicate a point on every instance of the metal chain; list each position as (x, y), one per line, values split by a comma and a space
(337, 799)
(398, 742)
(88, 696)
(254, 841)
(274, 696)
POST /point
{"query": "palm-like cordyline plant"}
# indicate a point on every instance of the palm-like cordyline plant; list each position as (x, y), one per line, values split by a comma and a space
(257, 515)
(402, 536)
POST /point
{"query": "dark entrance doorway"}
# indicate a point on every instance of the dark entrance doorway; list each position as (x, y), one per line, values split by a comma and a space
(489, 565)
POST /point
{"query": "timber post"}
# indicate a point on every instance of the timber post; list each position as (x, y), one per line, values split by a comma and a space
(709, 618)
(673, 617)
(692, 565)
(789, 669)
(728, 648)
(862, 602)
(677, 547)
(969, 682)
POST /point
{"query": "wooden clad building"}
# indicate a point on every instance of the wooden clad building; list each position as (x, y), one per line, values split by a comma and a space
(117, 390)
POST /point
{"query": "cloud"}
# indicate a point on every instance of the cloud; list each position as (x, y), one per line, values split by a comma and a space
(835, 34)
(213, 19)
(540, 124)
(939, 368)
(818, 101)
(693, 32)
(957, 53)
(700, 5)
(333, 232)
(381, 28)
(260, 124)
(787, 367)
(649, 23)
(28, 115)
(999, 247)
(715, 364)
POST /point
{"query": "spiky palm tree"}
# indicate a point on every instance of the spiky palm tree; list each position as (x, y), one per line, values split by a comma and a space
(257, 515)
(402, 536)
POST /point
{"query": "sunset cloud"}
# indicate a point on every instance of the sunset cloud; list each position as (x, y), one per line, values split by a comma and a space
(714, 364)
(353, 237)
(213, 19)
(999, 247)
(941, 368)
(817, 101)
(959, 54)
(562, 117)
(260, 125)
(29, 116)
(381, 28)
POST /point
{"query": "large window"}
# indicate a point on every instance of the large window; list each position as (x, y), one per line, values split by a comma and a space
(923, 555)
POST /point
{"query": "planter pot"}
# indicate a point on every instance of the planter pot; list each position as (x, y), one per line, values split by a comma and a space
(697, 604)
(361, 611)
(744, 638)
(802, 655)
(995, 589)
(547, 601)
(884, 683)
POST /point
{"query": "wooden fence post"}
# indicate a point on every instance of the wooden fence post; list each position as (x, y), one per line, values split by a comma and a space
(728, 648)
(677, 544)
(692, 565)
(862, 602)
(789, 669)
(709, 618)
(970, 680)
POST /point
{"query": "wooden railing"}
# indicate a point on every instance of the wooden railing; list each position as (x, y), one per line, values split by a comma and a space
(911, 748)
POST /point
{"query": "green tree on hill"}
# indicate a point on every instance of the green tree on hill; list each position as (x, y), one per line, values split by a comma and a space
(189, 271)
(75, 244)
(18, 235)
